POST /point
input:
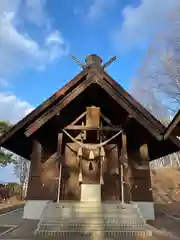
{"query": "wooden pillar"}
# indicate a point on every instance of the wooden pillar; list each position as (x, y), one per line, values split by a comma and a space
(126, 173)
(35, 187)
(141, 175)
(119, 189)
(92, 120)
(59, 157)
(36, 159)
(93, 117)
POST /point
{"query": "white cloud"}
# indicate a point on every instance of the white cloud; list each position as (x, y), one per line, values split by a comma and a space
(9, 6)
(53, 41)
(54, 37)
(141, 23)
(34, 11)
(17, 49)
(13, 109)
(4, 83)
(98, 7)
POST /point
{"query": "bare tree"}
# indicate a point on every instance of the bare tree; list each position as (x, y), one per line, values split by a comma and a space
(159, 76)
(157, 82)
(21, 170)
(150, 99)
(165, 78)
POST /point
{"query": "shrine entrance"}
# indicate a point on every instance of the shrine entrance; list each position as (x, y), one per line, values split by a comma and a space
(93, 155)
(94, 180)
(91, 179)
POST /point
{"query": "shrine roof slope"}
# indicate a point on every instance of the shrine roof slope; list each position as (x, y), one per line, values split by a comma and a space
(44, 106)
(15, 140)
(174, 127)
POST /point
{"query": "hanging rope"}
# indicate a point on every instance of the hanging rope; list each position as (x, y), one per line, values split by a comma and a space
(91, 146)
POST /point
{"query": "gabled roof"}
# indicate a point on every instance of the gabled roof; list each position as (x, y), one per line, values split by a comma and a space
(44, 106)
(68, 93)
(174, 127)
(102, 79)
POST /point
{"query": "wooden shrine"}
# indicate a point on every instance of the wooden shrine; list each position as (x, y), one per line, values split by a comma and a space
(91, 134)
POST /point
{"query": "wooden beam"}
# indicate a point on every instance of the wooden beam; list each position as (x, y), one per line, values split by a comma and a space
(35, 187)
(130, 101)
(84, 128)
(75, 121)
(107, 120)
(59, 145)
(125, 172)
(57, 95)
(54, 110)
(92, 120)
(174, 127)
(59, 157)
(93, 117)
(136, 114)
(144, 153)
(140, 158)
(58, 107)
(79, 118)
(36, 159)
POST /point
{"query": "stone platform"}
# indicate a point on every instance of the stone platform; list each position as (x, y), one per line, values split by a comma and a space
(25, 229)
(92, 220)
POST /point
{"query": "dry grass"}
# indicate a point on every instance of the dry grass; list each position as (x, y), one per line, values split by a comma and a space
(166, 185)
(166, 190)
(166, 193)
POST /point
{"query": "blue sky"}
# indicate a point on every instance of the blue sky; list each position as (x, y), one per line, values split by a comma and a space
(38, 38)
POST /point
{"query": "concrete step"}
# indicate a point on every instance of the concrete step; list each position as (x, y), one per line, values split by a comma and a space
(97, 223)
(91, 205)
(100, 235)
(109, 220)
(83, 218)
(96, 235)
(61, 225)
(115, 221)
(93, 227)
(92, 211)
(91, 215)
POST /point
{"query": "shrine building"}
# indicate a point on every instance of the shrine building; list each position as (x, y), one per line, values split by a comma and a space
(90, 141)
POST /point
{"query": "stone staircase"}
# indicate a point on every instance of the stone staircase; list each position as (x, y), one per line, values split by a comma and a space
(91, 220)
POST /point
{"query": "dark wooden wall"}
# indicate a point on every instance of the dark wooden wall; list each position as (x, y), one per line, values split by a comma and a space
(141, 179)
(44, 172)
(43, 175)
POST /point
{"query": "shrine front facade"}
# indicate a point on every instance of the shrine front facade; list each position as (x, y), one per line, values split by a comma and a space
(91, 141)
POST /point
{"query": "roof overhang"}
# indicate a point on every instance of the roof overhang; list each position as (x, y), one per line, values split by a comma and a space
(174, 127)
(24, 130)
(32, 116)
(102, 83)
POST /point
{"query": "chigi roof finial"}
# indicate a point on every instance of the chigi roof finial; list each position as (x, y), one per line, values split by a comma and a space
(94, 60)
(111, 60)
(78, 62)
